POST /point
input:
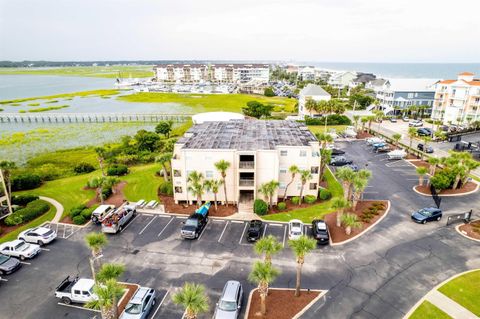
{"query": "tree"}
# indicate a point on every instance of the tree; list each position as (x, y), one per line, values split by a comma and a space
(346, 175)
(324, 138)
(213, 185)
(350, 221)
(257, 109)
(193, 298)
(107, 294)
(356, 118)
(110, 271)
(147, 141)
(267, 247)
(433, 161)
(293, 172)
(103, 183)
(305, 176)
(164, 128)
(421, 171)
(263, 274)
(301, 247)
(359, 185)
(101, 152)
(164, 159)
(268, 92)
(339, 204)
(95, 242)
(396, 137)
(268, 190)
(370, 119)
(310, 105)
(364, 121)
(196, 186)
(412, 133)
(6, 168)
(325, 158)
(222, 166)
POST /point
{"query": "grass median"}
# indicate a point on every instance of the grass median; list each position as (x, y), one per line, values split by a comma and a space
(428, 311)
(464, 290)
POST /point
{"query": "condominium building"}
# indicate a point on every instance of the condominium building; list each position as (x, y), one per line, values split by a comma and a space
(341, 79)
(306, 73)
(185, 73)
(313, 92)
(258, 152)
(457, 101)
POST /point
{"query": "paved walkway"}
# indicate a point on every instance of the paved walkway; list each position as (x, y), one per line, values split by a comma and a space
(57, 205)
(449, 306)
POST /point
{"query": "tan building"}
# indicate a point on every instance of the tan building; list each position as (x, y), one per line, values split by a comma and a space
(258, 152)
(457, 101)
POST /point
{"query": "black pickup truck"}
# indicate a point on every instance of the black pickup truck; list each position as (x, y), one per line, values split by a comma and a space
(195, 224)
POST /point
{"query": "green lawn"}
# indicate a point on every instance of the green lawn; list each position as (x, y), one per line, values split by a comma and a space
(428, 311)
(142, 183)
(211, 102)
(465, 290)
(64, 95)
(308, 214)
(125, 71)
(320, 128)
(65, 159)
(36, 222)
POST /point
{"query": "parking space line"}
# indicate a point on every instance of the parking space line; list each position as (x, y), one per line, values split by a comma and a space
(237, 221)
(243, 233)
(151, 221)
(165, 227)
(160, 304)
(265, 230)
(78, 307)
(45, 249)
(164, 216)
(146, 215)
(284, 235)
(224, 228)
(276, 225)
(3, 279)
(129, 223)
(25, 263)
(204, 229)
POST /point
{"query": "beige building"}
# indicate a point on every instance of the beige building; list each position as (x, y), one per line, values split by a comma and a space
(457, 101)
(258, 152)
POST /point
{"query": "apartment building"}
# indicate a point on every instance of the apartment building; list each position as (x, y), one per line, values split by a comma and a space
(457, 101)
(185, 73)
(306, 73)
(341, 79)
(258, 152)
(314, 92)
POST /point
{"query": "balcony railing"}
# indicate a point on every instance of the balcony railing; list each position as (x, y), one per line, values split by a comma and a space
(246, 164)
(246, 182)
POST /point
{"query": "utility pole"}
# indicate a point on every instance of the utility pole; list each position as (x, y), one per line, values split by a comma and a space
(6, 192)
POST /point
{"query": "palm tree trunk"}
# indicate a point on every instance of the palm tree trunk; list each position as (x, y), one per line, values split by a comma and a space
(348, 230)
(263, 292)
(92, 267)
(100, 190)
(270, 201)
(215, 197)
(286, 188)
(199, 200)
(189, 314)
(299, 277)
(165, 175)
(420, 180)
(457, 181)
(301, 196)
(225, 190)
(100, 162)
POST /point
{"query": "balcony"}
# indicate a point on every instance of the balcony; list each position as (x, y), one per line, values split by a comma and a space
(246, 165)
(246, 182)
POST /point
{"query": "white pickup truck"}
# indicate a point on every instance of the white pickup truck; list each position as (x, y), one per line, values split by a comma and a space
(117, 219)
(76, 290)
(20, 249)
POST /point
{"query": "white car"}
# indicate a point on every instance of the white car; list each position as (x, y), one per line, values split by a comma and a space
(295, 229)
(415, 123)
(20, 249)
(38, 235)
(374, 140)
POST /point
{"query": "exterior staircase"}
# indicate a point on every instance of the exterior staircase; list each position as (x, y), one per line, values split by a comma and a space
(245, 207)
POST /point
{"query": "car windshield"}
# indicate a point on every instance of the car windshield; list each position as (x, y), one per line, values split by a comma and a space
(3, 259)
(191, 222)
(321, 226)
(21, 246)
(133, 308)
(425, 212)
(227, 305)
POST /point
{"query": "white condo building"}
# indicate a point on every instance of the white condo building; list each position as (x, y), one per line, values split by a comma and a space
(258, 152)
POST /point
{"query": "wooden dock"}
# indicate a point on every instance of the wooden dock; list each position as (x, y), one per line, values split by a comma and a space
(91, 117)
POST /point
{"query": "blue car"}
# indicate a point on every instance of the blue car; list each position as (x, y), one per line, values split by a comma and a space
(427, 214)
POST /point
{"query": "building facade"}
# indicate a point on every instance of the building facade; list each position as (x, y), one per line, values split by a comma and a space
(314, 92)
(342, 79)
(457, 101)
(258, 152)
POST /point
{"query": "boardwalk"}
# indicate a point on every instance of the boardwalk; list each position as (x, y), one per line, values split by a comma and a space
(91, 117)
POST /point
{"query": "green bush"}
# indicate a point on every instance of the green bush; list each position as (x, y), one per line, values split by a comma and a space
(87, 212)
(309, 199)
(165, 188)
(106, 193)
(295, 200)
(13, 220)
(77, 210)
(441, 180)
(268, 92)
(30, 212)
(281, 206)
(79, 220)
(332, 119)
(117, 170)
(25, 181)
(260, 207)
(23, 200)
(325, 194)
(83, 168)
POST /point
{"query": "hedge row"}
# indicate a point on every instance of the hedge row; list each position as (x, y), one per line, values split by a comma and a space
(23, 200)
(30, 212)
(332, 119)
(25, 181)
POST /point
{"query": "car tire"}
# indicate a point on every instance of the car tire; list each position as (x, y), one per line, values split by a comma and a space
(22, 257)
(2, 272)
(196, 235)
(438, 218)
(66, 300)
(424, 222)
(154, 301)
(40, 243)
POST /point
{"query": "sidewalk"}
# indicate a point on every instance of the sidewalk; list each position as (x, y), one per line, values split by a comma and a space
(449, 306)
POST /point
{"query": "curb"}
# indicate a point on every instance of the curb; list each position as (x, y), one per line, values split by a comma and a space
(367, 229)
(457, 228)
(448, 195)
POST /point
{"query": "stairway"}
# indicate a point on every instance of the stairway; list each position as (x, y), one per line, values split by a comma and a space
(245, 207)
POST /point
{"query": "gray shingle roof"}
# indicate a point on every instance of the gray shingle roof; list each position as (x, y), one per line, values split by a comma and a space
(246, 135)
(313, 89)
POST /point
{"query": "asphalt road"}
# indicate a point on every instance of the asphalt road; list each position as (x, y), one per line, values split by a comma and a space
(380, 275)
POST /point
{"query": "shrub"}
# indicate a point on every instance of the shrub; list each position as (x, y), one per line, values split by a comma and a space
(117, 170)
(30, 212)
(106, 193)
(332, 119)
(83, 168)
(268, 92)
(281, 206)
(260, 207)
(77, 210)
(13, 220)
(79, 220)
(87, 212)
(295, 200)
(441, 180)
(325, 194)
(310, 199)
(25, 181)
(23, 200)
(165, 188)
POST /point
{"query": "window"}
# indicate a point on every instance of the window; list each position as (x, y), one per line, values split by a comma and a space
(314, 169)
(282, 185)
(315, 154)
(283, 153)
(303, 153)
(410, 95)
(76, 292)
(313, 186)
(208, 174)
(85, 293)
(178, 189)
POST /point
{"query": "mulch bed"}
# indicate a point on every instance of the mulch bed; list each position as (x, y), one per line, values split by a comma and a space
(281, 304)
(171, 207)
(116, 199)
(126, 297)
(363, 135)
(469, 229)
(468, 187)
(419, 163)
(338, 235)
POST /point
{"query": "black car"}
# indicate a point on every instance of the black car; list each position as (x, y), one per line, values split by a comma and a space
(254, 231)
(320, 232)
(336, 152)
(340, 161)
(8, 264)
(422, 148)
(424, 132)
(354, 167)
(427, 214)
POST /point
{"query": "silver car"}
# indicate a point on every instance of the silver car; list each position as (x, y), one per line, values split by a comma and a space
(230, 302)
(140, 305)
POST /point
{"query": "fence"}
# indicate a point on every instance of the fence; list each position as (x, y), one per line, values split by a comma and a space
(91, 117)
(465, 217)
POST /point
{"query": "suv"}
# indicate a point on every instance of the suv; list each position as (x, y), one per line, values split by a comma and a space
(140, 305)
(195, 224)
(230, 302)
(415, 123)
(422, 148)
(320, 231)
(254, 231)
(38, 235)
(100, 212)
(424, 131)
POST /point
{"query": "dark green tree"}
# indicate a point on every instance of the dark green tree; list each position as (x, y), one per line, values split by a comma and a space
(164, 128)
(257, 109)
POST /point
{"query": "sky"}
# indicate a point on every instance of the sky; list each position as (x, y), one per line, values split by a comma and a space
(263, 30)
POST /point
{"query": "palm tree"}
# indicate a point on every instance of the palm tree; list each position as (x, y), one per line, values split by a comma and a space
(301, 247)
(346, 176)
(356, 118)
(193, 298)
(107, 294)
(421, 171)
(396, 137)
(359, 185)
(324, 138)
(6, 168)
(460, 172)
(102, 183)
(433, 161)
(101, 153)
(470, 164)
(370, 119)
(110, 271)
(222, 166)
(163, 160)
(268, 190)
(293, 172)
(267, 246)
(213, 185)
(263, 274)
(339, 204)
(364, 121)
(196, 185)
(350, 221)
(95, 242)
(412, 133)
(310, 105)
(325, 158)
(305, 176)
